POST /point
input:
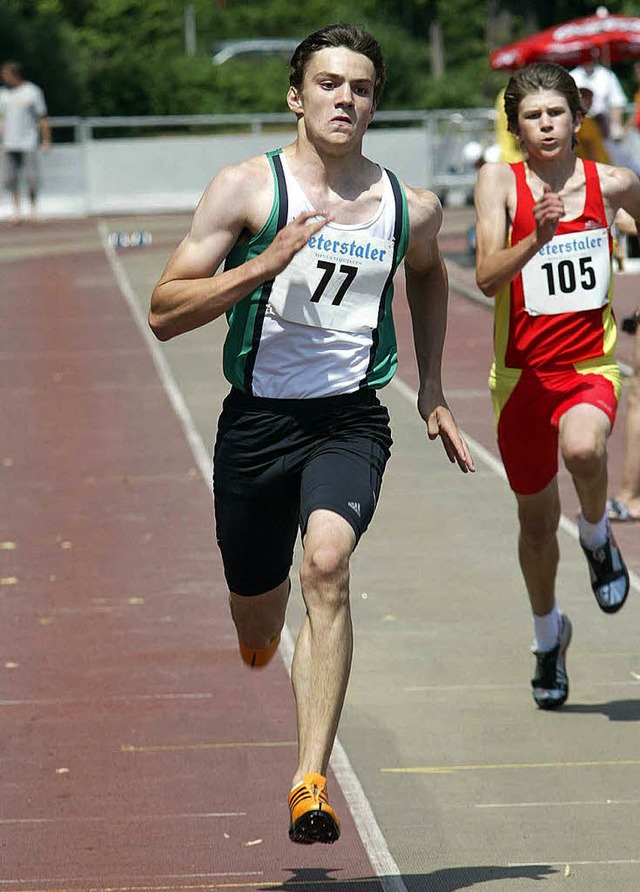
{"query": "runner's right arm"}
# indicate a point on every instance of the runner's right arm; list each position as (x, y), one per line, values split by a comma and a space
(189, 294)
(496, 262)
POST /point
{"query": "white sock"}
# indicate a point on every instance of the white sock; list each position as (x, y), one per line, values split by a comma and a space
(593, 534)
(547, 630)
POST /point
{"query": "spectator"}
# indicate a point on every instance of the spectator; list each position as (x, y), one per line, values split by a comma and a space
(609, 99)
(590, 137)
(510, 151)
(23, 125)
(591, 146)
(635, 121)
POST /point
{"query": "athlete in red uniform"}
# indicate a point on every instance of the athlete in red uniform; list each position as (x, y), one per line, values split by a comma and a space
(544, 251)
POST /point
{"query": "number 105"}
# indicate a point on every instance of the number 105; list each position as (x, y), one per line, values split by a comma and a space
(566, 274)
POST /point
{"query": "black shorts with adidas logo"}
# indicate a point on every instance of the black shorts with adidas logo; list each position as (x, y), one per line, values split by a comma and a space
(277, 460)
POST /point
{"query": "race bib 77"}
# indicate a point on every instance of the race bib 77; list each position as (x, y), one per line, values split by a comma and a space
(336, 281)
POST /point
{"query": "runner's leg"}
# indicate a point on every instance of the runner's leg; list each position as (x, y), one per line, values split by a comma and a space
(583, 432)
(539, 516)
(322, 658)
(260, 618)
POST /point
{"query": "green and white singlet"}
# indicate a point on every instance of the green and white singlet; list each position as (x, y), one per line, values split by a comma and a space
(324, 325)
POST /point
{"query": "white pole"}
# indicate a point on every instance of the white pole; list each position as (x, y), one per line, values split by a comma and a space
(190, 41)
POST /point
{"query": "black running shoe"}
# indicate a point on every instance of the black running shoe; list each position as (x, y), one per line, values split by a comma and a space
(609, 575)
(551, 683)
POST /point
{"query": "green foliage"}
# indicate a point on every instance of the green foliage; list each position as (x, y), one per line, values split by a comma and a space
(127, 57)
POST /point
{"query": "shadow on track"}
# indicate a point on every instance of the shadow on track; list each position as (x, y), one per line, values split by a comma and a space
(615, 710)
(449, 879)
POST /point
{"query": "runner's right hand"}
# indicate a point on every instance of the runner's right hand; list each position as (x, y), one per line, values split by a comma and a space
(292, 238)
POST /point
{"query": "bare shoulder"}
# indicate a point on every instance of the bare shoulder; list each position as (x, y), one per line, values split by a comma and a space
(616, 181)
(620, 189)
(425, 220)
(246, 178)
(495, 201)
(240, 192)
(496, 178)
(425, 212)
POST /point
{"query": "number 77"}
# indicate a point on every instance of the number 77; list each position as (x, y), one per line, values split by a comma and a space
(349, 273)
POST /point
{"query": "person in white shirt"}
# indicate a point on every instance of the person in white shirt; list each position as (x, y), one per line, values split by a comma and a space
(609, 99)
(24, 127)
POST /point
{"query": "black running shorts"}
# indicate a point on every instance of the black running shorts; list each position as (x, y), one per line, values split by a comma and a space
(275, 461)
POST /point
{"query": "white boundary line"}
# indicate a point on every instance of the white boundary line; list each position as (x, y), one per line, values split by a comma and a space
(479, 298)
(382, 860)
(479, 451)
(200, 453)
(375, 845)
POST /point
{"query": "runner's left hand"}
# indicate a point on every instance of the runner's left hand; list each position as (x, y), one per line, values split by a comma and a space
(441, 423)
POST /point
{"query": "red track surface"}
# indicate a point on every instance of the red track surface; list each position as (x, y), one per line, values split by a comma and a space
(137, 751)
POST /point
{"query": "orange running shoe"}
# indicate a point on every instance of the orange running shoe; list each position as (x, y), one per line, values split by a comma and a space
(258, 658)
(312, 818)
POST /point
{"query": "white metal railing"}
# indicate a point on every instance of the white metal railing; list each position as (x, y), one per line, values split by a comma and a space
(157, 162)
(445, 133)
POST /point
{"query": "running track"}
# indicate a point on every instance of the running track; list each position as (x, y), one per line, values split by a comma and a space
(137, 753)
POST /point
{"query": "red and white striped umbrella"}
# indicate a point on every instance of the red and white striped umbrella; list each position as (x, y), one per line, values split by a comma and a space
(617, 37)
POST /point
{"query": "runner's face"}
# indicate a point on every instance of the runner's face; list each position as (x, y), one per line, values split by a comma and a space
(336, 99)
(545, 124)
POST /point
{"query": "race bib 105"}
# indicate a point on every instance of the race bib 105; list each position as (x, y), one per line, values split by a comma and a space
(569, 274)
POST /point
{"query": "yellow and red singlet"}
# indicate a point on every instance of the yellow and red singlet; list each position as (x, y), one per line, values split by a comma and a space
(554, 335)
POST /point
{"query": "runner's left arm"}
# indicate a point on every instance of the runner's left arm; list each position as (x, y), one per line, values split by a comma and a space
(427, 293)
(624, 187)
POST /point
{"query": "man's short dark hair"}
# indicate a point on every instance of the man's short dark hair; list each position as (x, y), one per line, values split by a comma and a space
(337, 35)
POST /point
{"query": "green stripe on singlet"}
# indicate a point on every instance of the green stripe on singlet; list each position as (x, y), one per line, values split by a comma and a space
(245, 317)
(384, 349)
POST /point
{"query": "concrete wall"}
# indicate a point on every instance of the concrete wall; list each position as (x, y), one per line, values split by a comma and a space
(160, 173)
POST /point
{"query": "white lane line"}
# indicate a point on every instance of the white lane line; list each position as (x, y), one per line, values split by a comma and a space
(569, 802)
(513, 766)
(495, 465)
(478, 297)
(477, 448)
(160, 876)
(120, 819)
(183, 747)
(425, 689)
(382, 861)
(572, 863)
(200, 452)
(124, 698)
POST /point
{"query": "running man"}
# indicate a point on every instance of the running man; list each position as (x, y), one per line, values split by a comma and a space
(310, 236)
(544, 251)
